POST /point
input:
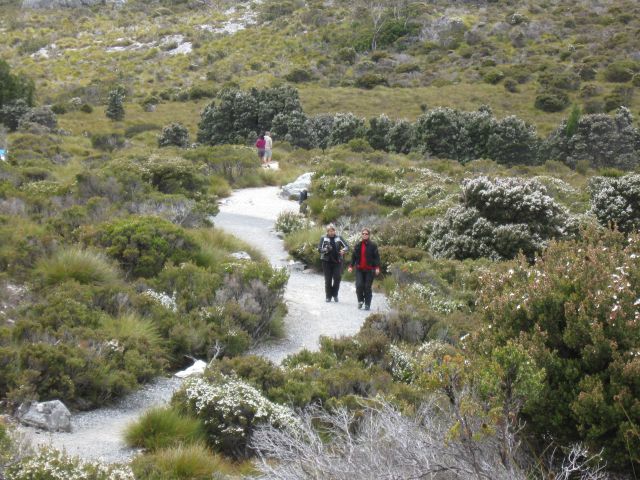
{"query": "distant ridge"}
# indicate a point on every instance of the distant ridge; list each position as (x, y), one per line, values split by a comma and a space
(34, 4)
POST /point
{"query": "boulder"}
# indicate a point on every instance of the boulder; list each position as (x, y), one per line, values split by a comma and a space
(196, 369)
(241, 255)
(293, 189)
(53, 416)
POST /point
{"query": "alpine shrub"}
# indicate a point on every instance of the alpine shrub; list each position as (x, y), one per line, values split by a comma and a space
(512, 141)
(497, 219)
(576, 312)
(602, 140)
(231, 410)
(174, 134)
(345, 127)
(616, 201)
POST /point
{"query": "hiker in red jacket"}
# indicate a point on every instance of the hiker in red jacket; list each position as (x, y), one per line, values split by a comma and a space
(366, 261)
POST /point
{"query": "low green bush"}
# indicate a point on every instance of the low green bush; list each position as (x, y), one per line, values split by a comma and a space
(161, 428)
(552, 101)
(142, 245)
(621, 71)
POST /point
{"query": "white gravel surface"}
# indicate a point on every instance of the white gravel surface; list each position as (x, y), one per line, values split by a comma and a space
(249, 214)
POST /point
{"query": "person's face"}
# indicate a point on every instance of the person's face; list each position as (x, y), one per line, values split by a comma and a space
(331, 232)
(365, 235)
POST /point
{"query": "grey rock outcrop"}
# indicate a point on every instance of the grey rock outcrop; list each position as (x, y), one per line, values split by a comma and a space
(293, 189)
(53, 416)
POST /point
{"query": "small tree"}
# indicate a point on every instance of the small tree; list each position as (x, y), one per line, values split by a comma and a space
(616, 201)
(11, 113)
(378, 131)
(346, 126)
(115, 105)
(513, 141)
(40, 116)
(320, 127)
(174, 134)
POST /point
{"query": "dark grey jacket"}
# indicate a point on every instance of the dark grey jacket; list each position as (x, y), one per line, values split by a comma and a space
(324, 247)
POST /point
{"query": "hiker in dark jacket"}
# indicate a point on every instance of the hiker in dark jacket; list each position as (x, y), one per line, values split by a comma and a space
(332, 248)
(366, 261)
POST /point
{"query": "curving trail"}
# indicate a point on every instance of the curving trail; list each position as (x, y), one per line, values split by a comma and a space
(249, 214)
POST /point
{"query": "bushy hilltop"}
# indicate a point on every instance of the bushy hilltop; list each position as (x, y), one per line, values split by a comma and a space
(527, 58)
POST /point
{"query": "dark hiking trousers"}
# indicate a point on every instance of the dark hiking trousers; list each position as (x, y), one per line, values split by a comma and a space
(332, 276)
(364, 281)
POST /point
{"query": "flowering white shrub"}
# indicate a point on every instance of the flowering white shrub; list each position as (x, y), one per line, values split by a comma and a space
(497, 219)
(426, 294)
(168, 302)
(231, 410)
(174, 134)
(617, 201)
(50, 464)
(288, 222)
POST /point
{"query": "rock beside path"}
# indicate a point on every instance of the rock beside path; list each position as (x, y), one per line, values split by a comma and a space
(52, 416)
(293, 189)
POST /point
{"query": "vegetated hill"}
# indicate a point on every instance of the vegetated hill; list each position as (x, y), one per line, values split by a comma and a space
(530, 58)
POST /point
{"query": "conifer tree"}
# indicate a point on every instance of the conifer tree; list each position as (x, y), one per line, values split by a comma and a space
(115, 104)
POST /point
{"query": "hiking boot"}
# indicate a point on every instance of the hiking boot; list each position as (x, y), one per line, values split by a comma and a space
(335, 299)
(360, 305)
(328, 299)
(367, 307)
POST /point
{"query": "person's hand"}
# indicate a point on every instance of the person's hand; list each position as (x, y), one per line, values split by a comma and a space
(377, 270)
(350, 269)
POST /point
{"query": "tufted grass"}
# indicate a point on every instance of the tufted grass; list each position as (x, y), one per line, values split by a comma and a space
(83, 266)
(186, 462)
(133, 330)
(161, 428)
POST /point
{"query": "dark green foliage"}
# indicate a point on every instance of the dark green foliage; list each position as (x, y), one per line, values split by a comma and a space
(43, 116)
(13, 88)
(379, 128)
(621, 71)
(370, 80)
(574, 311)
(115, 105)
(237, 115)
(174, 134)
(512, 142)
(142, 245)
(599, 139)
(293, 128)
(12, 112)
(139, 128)
(345, 127)
(107, 141)
(572, 122)
(298, 75)
(616, 201)
(86, 108)
(552, 101)
(320, 128)
(449, 133)
(497, 219)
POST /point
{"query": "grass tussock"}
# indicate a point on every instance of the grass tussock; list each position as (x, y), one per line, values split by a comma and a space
(216, 245)
(133, 330)
(182, 462)
(83, 266)
(162, 428)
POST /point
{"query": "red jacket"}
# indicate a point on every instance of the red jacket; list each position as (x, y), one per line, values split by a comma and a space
(260, 143)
